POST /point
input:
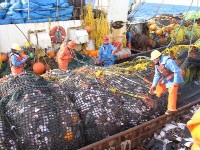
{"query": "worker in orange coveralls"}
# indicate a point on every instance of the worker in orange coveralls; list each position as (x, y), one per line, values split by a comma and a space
(16, 60)
(65, 55)
(167, 75)
(194, 127)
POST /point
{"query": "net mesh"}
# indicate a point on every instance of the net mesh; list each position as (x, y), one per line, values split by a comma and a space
(39, 115)
(104, 112)
(68, 110)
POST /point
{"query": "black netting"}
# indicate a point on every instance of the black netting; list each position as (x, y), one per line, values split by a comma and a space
(72, 138)
(100, 111)
(194, 58)
(7, 141)
(137, 104)
(14, 83)
(67, 110)
(39, 116)
(104, 112)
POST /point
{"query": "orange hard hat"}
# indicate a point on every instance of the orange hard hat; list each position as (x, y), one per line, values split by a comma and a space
(105, 38)
(71, 44)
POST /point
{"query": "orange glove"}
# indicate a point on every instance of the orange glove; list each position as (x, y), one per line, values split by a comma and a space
(151, 90)
(176, 84)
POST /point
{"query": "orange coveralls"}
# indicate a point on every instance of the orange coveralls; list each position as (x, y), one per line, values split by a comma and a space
(64, 57)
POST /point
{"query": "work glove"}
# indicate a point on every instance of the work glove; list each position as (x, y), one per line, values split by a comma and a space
(151, 90)
(113, 52)
(100, 62)
(26, 57)
(176, 84)
(23, 60)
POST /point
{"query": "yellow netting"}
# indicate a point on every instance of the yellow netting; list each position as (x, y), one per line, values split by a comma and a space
(89, 20)
(102, 29)
(99, 25)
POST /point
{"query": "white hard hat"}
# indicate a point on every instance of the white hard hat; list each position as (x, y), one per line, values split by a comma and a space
(16, 46)
(155, 54)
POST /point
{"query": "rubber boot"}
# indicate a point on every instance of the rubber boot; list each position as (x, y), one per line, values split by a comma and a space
(172, 98)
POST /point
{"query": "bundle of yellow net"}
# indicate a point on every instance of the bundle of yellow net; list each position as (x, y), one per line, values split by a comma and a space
(102, 29)
(99, 25)
(88, 20)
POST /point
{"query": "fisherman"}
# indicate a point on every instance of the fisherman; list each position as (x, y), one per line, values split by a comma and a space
(16, 60)
(167, 75)
(65, 55)
(194, 127)
(106, 53)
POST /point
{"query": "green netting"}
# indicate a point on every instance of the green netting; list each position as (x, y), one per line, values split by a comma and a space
(80, 60)
(191, 15)
(5, 69)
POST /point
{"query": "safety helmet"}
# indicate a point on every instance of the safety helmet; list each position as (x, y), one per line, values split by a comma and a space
(105, 38)
(71, 44)
(16, 47)
(28, 44)
(155, 54)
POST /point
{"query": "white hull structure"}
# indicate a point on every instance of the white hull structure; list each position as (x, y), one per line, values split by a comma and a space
(9, 34)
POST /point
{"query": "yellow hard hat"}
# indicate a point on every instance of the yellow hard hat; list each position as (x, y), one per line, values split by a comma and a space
(28, 44)
(155, 54)
(16, 47)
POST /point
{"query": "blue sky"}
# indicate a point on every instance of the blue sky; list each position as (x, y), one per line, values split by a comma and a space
(175, 2)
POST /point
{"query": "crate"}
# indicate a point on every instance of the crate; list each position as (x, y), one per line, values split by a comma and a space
(78, 35)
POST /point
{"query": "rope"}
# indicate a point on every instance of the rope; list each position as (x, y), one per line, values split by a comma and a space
(184, 64)
(139, 6)
(159, 7)
(181, 24)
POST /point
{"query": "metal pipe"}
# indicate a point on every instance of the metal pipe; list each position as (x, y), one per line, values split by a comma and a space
(57, 14)
(28, 10)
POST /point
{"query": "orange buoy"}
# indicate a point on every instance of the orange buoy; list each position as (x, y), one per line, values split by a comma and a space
(51, 54)
(4, 57)
(69, 135)
(159, 32)
(88, 29)
(92, 53)
(39, 68)
(153, 27)
(162, 40)
(74, 118)
(167, 29)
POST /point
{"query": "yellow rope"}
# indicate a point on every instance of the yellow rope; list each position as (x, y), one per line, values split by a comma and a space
(115, 90)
